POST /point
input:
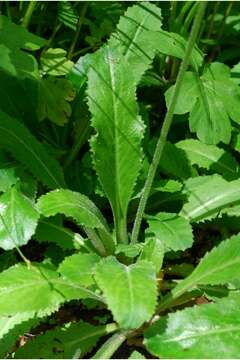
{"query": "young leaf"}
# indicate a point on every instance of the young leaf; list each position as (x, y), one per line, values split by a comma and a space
(173, 230)
(70, 341)
(79, 268)
(18, 219)
(204, 204)
(131, 294)
(36, 289)
(117, 145)
(153, 251)
(212, 330)
(214, 99)
(17, 139)
(220, 266)
(54, 97)
(210, 157)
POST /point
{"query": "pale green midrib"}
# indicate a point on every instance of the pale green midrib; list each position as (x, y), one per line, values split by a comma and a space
(209, 332)
(116, 156)
(190, 215)
(34, 154)
(133, 40)
(55, 208)
(131, 294)
(216, 160)
(196, 280)
(35, 283)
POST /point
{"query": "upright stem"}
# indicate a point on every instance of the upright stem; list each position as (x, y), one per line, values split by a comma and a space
(27, 17)
(110, 346)
(79, 26)
(121, 229)
(167, 123)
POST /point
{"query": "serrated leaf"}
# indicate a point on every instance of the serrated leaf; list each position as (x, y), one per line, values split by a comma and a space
(208, 195)
(80, 208)
(220, 266)
(36, 289)
(17, 139)
(131, 294)
(12, 327)
(131, 34)
(55, 63)
(71, 204)
(210, 157)
(18, 219)
(79, 268)
(212, 100)
(153, 251)
(54, 97)
(171, 229)
(209, 330)
(130, 41)
(119, 129)
(67, 342)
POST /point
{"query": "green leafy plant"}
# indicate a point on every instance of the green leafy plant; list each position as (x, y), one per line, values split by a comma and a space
(103, 222)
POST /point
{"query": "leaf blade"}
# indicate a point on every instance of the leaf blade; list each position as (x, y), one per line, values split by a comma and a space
(126, 293)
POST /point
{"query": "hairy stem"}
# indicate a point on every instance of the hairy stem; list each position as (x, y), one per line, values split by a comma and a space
(167, 123)
(110, 346)
(79, 26)
(28, 15)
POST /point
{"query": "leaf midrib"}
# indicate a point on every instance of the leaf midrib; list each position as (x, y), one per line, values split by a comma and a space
(203, 206)
(209, 332)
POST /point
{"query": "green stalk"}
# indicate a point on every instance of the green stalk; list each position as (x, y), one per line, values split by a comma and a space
(28, 15)
(121, 228)
(110, 346)
(167, 123)
(79, 26)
